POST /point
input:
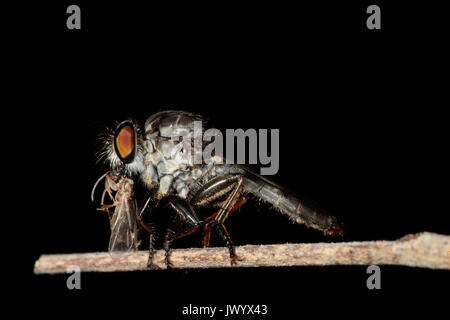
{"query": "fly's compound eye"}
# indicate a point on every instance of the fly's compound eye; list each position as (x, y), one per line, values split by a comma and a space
(125, 141)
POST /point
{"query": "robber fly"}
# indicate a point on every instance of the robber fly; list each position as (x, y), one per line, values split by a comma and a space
(151, 157)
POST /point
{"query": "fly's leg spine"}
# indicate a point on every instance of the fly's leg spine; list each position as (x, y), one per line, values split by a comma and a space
(151, 246)
(151, 253)
(167, 243)
(229, 243)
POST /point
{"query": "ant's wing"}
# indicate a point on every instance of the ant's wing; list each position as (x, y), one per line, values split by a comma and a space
(124, 226)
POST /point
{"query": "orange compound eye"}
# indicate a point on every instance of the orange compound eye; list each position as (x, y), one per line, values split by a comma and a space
(124, 142)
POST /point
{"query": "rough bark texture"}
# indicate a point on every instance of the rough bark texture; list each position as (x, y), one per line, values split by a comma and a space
(425, 250)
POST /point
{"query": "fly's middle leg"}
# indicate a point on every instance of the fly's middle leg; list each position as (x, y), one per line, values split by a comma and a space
(180, 231)
(188, 223)
(207, 228)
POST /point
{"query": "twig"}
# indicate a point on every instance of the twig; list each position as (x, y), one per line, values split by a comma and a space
(426, 250)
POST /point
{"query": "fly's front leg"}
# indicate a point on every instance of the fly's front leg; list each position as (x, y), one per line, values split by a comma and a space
(151, 252)
(151, 246)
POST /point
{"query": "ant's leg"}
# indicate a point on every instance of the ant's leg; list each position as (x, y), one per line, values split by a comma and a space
(106, 208)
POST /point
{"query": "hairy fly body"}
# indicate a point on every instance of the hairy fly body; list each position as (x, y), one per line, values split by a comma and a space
(153, 158)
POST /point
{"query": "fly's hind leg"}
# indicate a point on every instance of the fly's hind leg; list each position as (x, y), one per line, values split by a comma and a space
(231, 185)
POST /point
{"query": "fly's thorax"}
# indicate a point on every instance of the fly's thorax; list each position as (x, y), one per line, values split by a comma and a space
(168, 169)
(170, 123)
(170, 163)
(163, 161)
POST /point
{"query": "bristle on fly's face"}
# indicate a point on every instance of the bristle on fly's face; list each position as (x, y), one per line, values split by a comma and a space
(105, 141)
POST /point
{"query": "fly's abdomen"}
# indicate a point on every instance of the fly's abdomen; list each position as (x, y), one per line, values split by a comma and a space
(291, 205)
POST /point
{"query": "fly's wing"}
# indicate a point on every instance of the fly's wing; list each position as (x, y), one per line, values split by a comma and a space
(124, 221)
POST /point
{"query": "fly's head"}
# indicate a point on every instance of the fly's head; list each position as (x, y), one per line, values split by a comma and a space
(123, 148)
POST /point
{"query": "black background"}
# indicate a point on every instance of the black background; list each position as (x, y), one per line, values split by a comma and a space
(362, 129)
